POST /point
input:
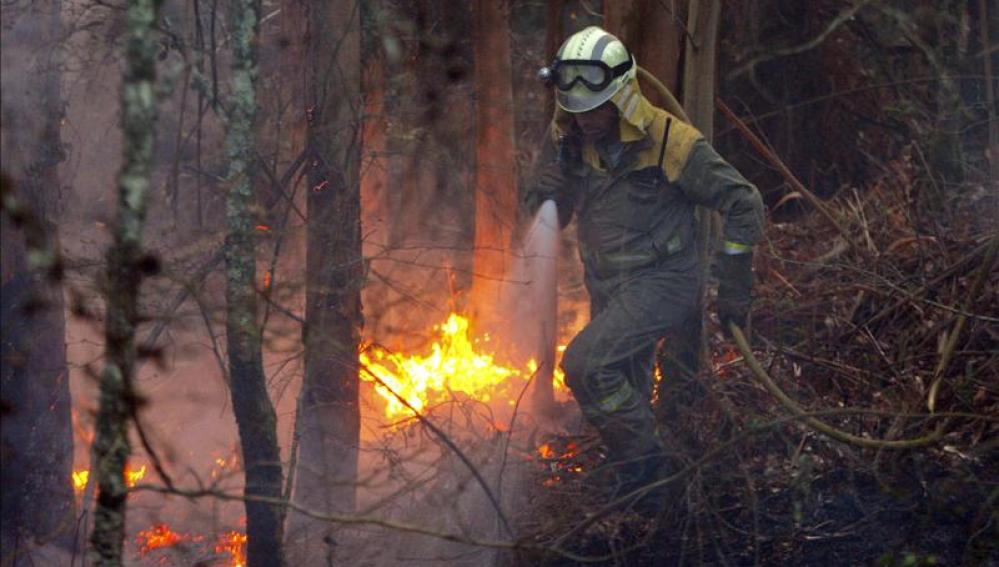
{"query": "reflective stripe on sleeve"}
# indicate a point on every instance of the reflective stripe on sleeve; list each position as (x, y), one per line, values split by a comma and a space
(733, 248)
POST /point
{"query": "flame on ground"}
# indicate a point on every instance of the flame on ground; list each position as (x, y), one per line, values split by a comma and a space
(233, 544)
(456, 364)
(157, 536)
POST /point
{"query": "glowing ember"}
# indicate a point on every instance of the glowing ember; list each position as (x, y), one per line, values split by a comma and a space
(453, 365)
(233, 544)
(224, 466)
(546, 451)
(156, 537)
(563, 459)
(549, 452)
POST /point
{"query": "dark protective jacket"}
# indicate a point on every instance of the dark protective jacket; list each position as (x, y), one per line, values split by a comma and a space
(635, 201)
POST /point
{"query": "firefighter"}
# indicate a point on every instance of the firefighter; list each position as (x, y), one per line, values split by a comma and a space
(632, 174)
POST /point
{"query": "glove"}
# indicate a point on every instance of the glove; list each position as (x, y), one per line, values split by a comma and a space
(551, 183)
(735, 286)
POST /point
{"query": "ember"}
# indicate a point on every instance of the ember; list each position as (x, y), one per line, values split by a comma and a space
(224, 466)
(563, 458)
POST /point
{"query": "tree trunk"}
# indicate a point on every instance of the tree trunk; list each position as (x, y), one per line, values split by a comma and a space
(700, 59)
(992, 151)
(685, 352)
(37, 443)
(374, 175)
(653, 34)
(495, 171)
(251, 403)
(329, 419)
(124, 274)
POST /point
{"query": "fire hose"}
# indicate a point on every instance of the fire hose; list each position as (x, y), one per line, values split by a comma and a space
(673, 106)
(839, 435)
(822, 427)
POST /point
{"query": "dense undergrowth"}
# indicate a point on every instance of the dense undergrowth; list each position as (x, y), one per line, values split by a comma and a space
(886, 331)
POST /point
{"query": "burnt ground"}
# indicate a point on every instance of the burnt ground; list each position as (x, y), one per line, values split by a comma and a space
(898, 511)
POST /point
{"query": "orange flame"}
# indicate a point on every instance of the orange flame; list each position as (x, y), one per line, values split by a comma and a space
(156, 537)
(456, 363)
(233, 544)
(80, 479)
(132, 477)
(546, 451)
(453, 365)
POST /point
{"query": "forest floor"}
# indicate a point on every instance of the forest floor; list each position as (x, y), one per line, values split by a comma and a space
(759, 503)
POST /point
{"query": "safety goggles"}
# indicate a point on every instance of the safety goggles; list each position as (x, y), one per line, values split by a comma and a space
(594, 75)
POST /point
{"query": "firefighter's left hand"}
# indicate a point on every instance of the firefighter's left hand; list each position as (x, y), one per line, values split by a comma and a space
(735, 287)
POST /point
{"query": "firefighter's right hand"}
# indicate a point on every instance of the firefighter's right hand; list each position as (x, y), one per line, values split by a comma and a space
(551, 182)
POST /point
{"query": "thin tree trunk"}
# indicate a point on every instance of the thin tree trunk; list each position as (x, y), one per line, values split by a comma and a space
(374, 180)
(700, 59)
(652, 31)
(495, 170)
(124, 274)
(329, 418)
(685, 352)
(992, 151)
(251, 403)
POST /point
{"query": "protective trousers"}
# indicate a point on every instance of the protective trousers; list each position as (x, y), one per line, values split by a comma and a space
(609, 364)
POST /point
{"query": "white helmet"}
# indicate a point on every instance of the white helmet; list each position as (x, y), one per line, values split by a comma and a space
(590, 67)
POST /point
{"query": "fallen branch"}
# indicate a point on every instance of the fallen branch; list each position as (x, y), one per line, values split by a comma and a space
(816, 424)
(948, 349)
